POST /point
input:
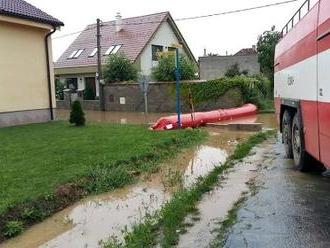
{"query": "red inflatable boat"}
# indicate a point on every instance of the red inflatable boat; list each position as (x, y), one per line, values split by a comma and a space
(201, 118)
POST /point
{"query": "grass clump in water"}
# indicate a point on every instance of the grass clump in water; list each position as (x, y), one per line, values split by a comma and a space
(169, 222)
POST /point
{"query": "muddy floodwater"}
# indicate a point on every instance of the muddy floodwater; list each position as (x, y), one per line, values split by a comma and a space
(98, 218)
(268, 120)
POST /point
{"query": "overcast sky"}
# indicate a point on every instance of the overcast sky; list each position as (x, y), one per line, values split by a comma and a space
(217, 34)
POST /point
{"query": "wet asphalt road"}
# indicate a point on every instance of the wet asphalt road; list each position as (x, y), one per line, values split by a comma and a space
(291, 209)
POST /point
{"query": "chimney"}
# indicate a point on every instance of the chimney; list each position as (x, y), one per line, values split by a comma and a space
(205, 52)
(119, 22)
(254, 47)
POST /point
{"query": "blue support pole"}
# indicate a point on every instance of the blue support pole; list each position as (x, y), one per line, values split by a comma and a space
(177, 76)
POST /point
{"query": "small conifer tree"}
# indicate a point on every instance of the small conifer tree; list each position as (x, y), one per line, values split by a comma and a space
(77, 116)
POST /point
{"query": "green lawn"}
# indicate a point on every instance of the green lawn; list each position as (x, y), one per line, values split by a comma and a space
(35, 159)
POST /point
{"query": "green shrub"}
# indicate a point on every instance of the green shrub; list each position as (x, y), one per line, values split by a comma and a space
(13, 228)
(119, 69)
(59, 87)
(254, 89)
(77, 115)
(165, 71)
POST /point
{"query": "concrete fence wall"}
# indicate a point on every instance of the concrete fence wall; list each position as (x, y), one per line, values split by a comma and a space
(161, 98)
(213, 67)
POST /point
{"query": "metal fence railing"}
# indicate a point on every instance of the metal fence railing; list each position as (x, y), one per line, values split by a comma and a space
(301, 12)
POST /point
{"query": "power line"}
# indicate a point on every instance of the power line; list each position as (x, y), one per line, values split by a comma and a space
(69, 34)
(236, 11)
(188, 18)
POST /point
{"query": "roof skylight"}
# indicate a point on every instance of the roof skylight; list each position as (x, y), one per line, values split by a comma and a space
(109, 50)
(93, 53)
(113, 49)
(80, 51)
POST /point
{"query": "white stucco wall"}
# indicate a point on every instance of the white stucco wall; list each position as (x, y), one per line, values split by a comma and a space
(164, 37)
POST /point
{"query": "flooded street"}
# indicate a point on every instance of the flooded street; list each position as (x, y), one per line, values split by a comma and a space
(140, 118)
(291, 208)
(114, 117)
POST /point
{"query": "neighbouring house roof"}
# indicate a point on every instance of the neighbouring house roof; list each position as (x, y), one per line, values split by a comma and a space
(246, 52)
(24, 10)
(134, 37)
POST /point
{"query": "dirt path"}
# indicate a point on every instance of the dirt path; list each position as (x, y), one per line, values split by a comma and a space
(216, 204)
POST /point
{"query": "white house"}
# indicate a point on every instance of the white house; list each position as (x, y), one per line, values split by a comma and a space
(138, 38)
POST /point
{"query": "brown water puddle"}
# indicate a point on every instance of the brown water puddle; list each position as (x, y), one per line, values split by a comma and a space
(99, 217)
(88, 222)
(216, 204)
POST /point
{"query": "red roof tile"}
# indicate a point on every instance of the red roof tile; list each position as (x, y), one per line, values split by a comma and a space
(134, 36)
(24, 10)
(246, 51)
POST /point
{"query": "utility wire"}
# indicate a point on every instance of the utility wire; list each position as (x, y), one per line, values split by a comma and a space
(236, 11)
(187, 18)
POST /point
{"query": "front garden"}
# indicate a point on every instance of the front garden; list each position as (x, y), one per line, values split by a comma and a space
(46, 167)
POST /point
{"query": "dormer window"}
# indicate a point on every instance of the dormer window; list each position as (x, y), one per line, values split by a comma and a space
(75, 54)
(93, 53)
(113, 49)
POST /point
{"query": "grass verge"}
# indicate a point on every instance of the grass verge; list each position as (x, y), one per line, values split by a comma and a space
(165, 226)
(46, 167)
(230, 220)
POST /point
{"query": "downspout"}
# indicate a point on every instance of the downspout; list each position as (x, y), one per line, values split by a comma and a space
(49, 74)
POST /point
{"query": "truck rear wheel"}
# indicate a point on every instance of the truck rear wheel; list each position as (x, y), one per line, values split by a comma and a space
(300, 156)
(287, 133)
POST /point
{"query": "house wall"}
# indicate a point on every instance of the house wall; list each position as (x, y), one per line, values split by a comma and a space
(213, 67)
(24, 96)
(163, 37)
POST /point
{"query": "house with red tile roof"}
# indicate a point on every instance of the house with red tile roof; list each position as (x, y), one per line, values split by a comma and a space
(215, 66)
(138, 38)
(27, 92)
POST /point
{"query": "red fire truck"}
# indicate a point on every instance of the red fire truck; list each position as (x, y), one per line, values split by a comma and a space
(302, 84)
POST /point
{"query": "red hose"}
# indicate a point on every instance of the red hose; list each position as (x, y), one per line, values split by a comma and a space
(201, 118)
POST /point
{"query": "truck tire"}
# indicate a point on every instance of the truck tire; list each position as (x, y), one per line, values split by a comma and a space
(300, 156)
(287, 133)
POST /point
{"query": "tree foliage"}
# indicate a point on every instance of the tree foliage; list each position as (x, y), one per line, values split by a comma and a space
(119, 69)
(77, 115)
(165, 71)
(234, 70)
(266, 50)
